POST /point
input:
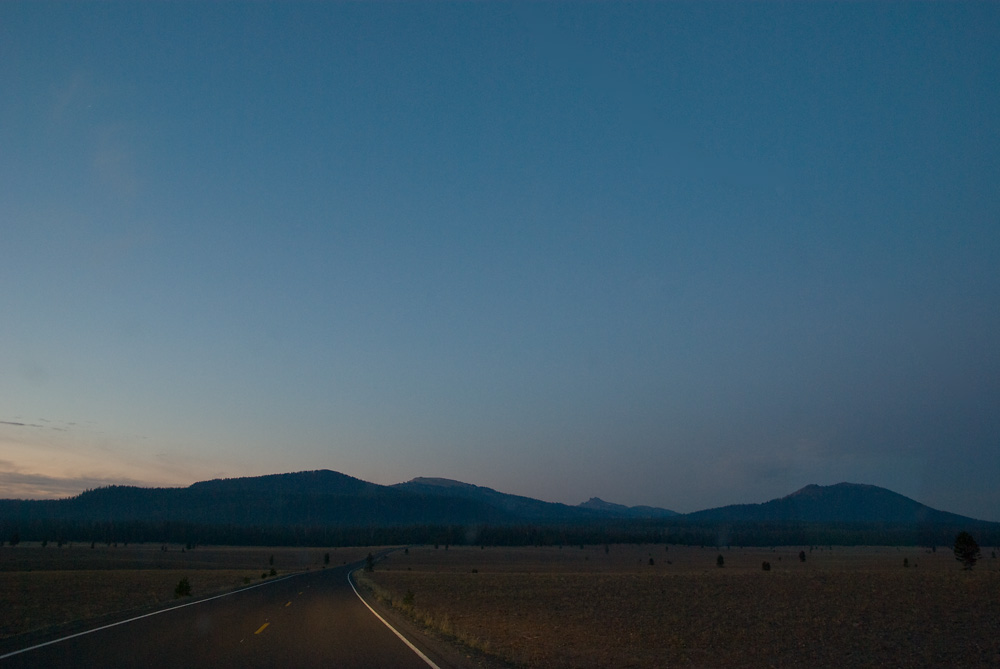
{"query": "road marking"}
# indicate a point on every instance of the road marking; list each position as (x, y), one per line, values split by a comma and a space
(146, 615)
(261, 628)
(394, 630)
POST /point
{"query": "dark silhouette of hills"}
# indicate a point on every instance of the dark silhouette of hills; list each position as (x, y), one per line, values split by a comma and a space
(621, 510)
(329, 508)
(525, 508)
(840, 503)
(319, 482)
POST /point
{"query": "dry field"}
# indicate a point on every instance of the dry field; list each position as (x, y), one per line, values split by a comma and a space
(601, 607)
(41, 588)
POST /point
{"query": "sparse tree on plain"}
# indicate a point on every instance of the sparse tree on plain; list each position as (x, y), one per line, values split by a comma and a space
(966, 550)
(802, 556)
(720, 561)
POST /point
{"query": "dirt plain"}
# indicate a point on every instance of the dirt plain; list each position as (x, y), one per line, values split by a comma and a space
(597, 606)
(45, 588)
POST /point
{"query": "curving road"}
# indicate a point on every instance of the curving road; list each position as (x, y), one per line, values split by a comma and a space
(305, 620)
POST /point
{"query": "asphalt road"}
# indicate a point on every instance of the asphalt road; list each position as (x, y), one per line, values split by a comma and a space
(308, 620)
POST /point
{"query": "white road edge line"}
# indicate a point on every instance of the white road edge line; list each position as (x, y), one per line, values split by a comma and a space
(416, 650)
(145, 615)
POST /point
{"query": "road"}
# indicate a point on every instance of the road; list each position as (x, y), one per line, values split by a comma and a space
(306, 620)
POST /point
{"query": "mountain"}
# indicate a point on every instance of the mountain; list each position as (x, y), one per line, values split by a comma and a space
(328, 508)
(314, 499)
(527, 508)
(598, 504)
(320, 482)
(840, 503)
(514, 506)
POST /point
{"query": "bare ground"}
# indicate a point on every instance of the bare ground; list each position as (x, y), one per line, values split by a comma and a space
(44, 588)
(573, 607)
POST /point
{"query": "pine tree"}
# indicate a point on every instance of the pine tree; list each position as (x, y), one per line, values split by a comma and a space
(966, 550)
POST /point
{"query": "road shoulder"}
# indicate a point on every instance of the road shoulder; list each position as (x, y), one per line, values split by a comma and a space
(445, 652)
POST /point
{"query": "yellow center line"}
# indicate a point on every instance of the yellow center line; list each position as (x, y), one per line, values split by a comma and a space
(261, 628)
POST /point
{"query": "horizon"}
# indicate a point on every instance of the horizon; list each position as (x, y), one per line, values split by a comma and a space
(471, 483)
(675, 255)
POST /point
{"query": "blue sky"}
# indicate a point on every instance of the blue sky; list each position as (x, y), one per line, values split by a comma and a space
(682, 255)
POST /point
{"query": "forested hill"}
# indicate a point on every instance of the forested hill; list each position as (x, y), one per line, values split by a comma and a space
(314, 498)
(840, 503)
(329, 508)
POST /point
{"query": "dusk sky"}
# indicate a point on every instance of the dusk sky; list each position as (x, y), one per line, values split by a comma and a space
(682, 255)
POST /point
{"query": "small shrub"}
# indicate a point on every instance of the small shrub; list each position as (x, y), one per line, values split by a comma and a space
(326, 559)
(408, 598)
(270, 560)
(651, 562)
(273, 573)
(766, 566)
(370, 563)
(906, 562)
(263, 575)
(802, 556)
(720, 561)
(183, 588)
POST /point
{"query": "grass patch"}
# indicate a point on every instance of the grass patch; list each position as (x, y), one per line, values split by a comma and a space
(41, 587)
(435, 621)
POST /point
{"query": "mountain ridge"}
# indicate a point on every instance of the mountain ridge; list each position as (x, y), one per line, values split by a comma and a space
(329, 499)
(841, 502)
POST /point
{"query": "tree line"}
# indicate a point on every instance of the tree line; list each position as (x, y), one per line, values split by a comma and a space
(633, 531)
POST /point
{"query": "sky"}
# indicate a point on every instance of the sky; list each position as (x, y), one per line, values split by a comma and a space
(682, 255)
